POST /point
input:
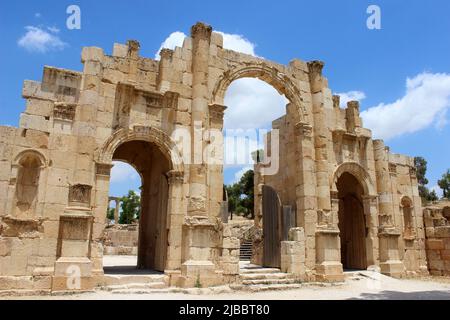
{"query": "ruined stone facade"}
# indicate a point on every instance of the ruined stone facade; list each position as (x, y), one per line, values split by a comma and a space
(437, 230)
(55, 167)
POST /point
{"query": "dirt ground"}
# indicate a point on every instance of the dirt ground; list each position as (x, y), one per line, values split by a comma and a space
(362, 285)
(383, 288)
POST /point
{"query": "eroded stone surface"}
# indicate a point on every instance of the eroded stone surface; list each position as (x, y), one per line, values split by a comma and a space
(54, 171)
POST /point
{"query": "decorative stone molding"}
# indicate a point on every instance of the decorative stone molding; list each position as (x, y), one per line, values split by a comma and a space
(64, 111)
(175, 177)
(103, 169)
(358, 172)
(392, 168)
(216, 112)
(80, 195)
(145, 133)
(198, 221)
(304, 129)
(171, 100)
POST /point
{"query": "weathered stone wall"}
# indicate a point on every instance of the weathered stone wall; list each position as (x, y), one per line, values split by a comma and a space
(54, 168)
(121, 239)
(437, 226)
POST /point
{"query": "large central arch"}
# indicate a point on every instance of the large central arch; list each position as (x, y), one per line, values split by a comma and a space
(269, 74)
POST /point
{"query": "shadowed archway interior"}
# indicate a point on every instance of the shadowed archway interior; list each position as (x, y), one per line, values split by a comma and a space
(352, 225)
(152, 166)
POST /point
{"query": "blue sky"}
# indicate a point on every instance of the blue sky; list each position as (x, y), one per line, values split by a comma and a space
(414, 43)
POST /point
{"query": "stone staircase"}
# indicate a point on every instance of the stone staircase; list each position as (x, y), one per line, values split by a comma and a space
(137, 284)
(245, 251)
(256, 278)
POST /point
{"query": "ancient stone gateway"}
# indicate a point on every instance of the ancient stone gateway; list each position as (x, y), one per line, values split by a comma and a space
(344, 188)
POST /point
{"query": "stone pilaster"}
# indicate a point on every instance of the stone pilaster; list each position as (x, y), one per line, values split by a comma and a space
(388, 234)
(306, 191)
(198, 194)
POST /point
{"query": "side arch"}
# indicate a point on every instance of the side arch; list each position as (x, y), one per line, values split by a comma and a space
(269, 74)
(150, 134)
(358, 172)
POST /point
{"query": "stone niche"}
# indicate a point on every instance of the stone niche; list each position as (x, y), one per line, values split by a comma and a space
(80, 195)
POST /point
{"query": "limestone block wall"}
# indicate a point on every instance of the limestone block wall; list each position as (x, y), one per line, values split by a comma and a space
(121, 240)
(54, 168)
(437, 226)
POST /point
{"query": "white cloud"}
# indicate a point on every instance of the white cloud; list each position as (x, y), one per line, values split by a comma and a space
(252, 103)
(175, 39)
(53, 29)
(123, 172)
(438, 190)
(238, 43)
(350, 96)
(425, 103)
(37, 39)
(238, 175)
(230, 41)
(37, 15)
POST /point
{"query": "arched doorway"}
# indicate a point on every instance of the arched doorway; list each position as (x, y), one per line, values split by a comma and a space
(352, 224)
(152, 165)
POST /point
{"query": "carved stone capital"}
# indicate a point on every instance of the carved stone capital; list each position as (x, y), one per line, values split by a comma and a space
(216, 111)
(175, 177)
(304, 129)
(201, 31)
(103, 169)
(166, 53)
(315, 67)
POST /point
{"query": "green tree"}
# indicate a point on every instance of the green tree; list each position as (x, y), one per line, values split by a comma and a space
(444, 184)
(131, 207)
(110, 214)
(247, 200)
(241, 195)
(421, 169)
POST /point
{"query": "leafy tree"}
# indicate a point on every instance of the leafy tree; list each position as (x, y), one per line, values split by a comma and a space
(110, 214)
(421, 168)
(131, 207)
(248, 198)
(432, 196)
(241, 195)
(444, 184)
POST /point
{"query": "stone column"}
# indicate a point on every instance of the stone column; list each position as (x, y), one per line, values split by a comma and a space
(328, 244)
(371, 218)
(306, 191)
(388, 234)
(198, 195)
(215, 159)
(175, 219)
(116, 211)
(322, 135)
